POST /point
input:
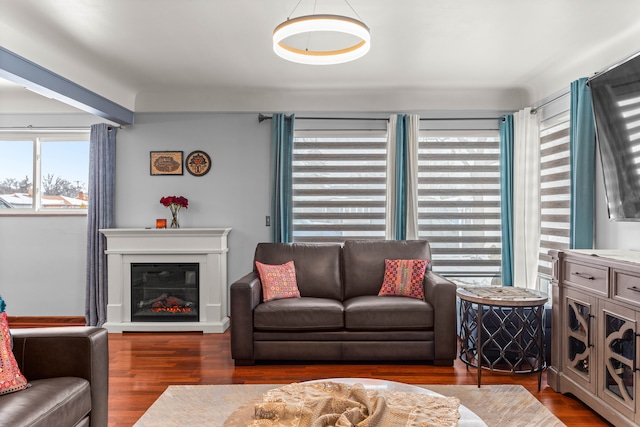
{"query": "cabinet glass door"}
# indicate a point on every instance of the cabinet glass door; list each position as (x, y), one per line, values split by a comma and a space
(579, 349)
(619, 357)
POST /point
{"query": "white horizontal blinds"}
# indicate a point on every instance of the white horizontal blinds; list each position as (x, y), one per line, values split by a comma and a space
(339, 180)
(459, 201)
(555, 189)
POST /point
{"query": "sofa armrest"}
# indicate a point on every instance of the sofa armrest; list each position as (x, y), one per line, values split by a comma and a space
(245, 295)
(441, 293)
(74, 351)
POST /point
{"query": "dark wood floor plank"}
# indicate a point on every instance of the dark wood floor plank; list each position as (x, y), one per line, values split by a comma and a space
(143, 365)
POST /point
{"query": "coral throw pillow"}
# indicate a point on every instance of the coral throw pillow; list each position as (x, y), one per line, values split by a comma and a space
(278, 281)
(404, 277)
(11, 379)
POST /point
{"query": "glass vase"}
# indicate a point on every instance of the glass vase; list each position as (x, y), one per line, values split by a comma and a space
(174, 219)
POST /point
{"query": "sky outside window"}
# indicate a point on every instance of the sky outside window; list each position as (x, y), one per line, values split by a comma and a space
(68, 160)
(17, 160)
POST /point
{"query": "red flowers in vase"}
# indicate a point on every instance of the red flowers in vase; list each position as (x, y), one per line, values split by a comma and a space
(175, 203)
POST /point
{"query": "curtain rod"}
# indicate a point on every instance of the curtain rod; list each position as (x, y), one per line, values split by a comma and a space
(263, 117)
(612, 66)
(547, 102)
(436, 119)
(48, 127)
(596, 74)
(52, 128)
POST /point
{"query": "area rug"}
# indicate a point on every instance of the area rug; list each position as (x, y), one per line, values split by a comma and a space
(211, 405)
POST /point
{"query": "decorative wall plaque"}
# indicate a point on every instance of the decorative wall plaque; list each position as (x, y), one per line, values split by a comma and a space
(166, 162)
(198, 163)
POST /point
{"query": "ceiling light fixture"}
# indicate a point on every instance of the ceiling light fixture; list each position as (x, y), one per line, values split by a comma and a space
(310, 24)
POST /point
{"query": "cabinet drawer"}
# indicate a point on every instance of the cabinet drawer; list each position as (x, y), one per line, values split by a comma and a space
(626, 287)
(585, 276)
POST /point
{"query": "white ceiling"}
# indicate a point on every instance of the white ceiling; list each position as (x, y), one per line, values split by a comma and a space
(216, 55)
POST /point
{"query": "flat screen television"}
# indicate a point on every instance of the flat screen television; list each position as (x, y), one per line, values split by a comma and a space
(616, 107)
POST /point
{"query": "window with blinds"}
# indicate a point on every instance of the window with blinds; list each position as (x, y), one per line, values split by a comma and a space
(459, 203)
(555, 192)
(339, 185)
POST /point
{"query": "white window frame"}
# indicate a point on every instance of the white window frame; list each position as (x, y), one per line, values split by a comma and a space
(37, 137)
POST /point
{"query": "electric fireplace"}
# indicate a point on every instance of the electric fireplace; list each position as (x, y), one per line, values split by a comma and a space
(167, 280)
(164, 292)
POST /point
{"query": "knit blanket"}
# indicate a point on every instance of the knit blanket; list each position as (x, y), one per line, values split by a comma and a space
(322, 404)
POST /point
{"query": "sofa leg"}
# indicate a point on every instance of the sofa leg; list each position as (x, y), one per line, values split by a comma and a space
(443, 362)
(245, 362)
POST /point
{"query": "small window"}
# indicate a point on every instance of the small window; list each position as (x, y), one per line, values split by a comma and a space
(339, 185)
(459, 203)
(44, 173)
(555, 191)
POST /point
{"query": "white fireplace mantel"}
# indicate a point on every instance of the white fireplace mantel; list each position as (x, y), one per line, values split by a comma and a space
(205, 246)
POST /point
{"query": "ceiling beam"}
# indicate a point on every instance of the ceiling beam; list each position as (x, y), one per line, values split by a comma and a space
(32, 76)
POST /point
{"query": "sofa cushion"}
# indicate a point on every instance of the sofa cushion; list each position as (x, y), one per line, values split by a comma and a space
(299, 314)
(369, 313)
(404, 277)
(62, 401)
(317, 266)
(363, 262)
(11, 379)
(278, 281)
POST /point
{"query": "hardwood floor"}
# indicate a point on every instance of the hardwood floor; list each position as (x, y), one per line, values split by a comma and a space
(142, 365)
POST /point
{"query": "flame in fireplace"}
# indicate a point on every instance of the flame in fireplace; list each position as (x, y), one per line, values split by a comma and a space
(167, 304)
(173, 309)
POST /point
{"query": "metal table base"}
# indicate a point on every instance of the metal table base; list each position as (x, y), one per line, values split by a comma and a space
(502, 335)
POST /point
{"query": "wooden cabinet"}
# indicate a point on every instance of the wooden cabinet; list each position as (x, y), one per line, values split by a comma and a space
(578, 354)
(595, 343)
(618, 353)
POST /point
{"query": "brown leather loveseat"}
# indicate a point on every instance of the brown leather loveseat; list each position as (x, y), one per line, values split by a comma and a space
(68, 370)
(340, 315)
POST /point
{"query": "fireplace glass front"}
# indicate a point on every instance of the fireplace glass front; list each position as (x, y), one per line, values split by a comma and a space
(164, 292)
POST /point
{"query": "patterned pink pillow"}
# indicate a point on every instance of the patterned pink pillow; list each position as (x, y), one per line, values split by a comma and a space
(11, 379)
(404, 277)
(278, 281)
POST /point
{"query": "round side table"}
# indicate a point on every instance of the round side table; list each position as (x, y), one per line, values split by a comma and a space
(502, 329)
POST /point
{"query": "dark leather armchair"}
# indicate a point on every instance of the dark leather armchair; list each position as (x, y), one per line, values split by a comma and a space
(68, 369)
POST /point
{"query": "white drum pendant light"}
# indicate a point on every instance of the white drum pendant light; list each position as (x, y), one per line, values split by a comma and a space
(318, 23)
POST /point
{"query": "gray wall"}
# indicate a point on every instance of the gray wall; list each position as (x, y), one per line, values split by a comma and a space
(42, 259)
(235, 192)
(43, 265)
